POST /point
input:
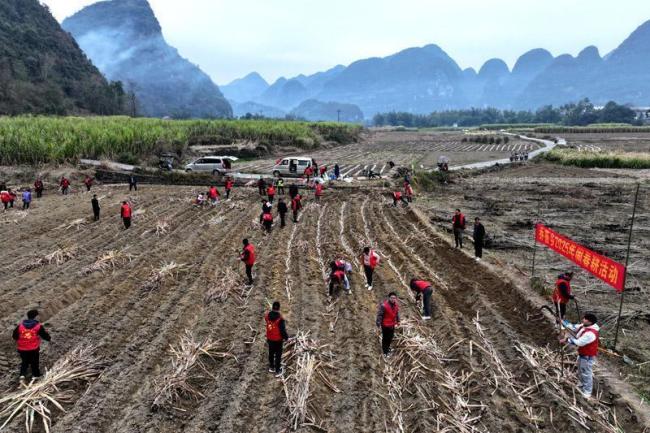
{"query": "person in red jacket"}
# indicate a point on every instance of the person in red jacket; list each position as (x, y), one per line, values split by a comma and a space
(213, 194)
(267, 221)
(309, 171)
(562, 294)
(370, 260)
(64, 184)
(458, 226)
(270, 191)
(28, 335)
(88, 181)
(387, 321)
(296, 205)
(276, 335)
(397, 197)
(423, 290)
(248, 257)
(5, 198)
(125, 213)
(408, 192)
(229, 184)
(38, 187)
(323, 170)
(318, 191)
(587, 338)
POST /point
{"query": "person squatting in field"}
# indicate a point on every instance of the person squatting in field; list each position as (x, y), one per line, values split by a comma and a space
(126, 212)
(398, 197)
(422, 291)
(213, 194)
(339, 270)
(387, 321)
(248, 257)
(370, 260)
(276, 335)
(28, 335)
(587, 338)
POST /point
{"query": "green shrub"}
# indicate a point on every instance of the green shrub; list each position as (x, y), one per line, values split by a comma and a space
(591, 159)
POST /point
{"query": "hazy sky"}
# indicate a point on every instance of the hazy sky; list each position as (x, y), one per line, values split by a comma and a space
(229, 38)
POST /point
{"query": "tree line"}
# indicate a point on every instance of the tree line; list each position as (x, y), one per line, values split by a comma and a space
(579, 113)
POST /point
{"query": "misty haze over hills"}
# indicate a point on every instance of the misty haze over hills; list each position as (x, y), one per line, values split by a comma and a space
(124, 40)
(426, 79)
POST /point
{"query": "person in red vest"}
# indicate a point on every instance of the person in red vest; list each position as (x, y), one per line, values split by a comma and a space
(88, 181)
(248, 257)
(387, 321)
(38, 187)
(562, 294)
(125, 213)
(370, 260)
(296, 205)
(318, 191)
(270, 191)
(397, 197)
(339, 270)
(423, 290)
(229, 184)
(309, 171)
(5, 198)
(213, 194)
(458, 226)
(64, 184)
(267, 221)
(323, 170)
(408, 192)
(587, 338)
(28, 335)
(276, 335)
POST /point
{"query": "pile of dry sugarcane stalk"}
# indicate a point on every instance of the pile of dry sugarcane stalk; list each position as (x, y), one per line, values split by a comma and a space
(287, 262)
(158, 276)
(57, 257)
(162, 228)
(305, 360)
(188, 363)
(109, 260)
(416, 359)
(227, 282)
(321, 261)
(35, 400)
(550, 380)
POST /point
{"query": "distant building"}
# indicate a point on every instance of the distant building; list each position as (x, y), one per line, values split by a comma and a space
(642, 114)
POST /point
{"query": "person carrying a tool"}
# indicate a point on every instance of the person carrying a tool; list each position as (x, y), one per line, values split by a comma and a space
(422, 290)
(586, 338)
(562, 294)
(387, 321)
(28, 335)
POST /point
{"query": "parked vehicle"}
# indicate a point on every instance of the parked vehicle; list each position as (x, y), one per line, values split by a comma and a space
(217, 165)
(293, 166)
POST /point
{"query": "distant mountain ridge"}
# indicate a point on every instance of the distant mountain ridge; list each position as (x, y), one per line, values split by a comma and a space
(124, 39)
(426, 79)
(43, 70)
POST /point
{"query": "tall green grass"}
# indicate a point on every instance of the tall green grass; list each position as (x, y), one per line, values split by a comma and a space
(592, 129)
(589, 159)
(34, 140)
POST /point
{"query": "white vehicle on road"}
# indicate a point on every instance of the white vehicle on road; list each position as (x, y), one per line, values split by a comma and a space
(293, 166)
(217, 165)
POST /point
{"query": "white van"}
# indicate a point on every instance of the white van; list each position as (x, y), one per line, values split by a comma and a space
(217, 165)
(292, 166)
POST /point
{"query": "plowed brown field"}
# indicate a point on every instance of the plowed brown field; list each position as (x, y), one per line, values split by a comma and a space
(466, 372)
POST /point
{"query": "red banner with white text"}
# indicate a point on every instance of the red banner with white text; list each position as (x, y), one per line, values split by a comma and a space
(606, 269)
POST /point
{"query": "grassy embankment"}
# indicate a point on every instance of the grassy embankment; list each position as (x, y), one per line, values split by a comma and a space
(35, 140)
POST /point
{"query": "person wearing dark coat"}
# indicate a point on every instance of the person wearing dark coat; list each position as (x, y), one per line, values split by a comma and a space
(293, 190)
(133, 183)
(95, 204)
(282, 211)
(337, 171)
(479, 238)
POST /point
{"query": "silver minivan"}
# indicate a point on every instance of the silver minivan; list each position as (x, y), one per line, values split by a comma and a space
(214, 164)
(293, 166)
